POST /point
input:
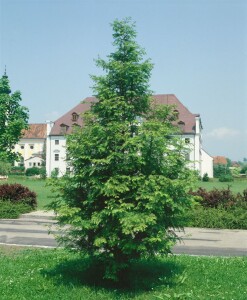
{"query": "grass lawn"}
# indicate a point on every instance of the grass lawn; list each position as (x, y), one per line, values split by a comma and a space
(57, 274)
(237, 186)
(37, 185)
(44, 192)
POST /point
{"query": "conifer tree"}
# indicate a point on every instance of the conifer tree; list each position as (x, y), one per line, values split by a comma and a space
(13, 119)
(130, 180)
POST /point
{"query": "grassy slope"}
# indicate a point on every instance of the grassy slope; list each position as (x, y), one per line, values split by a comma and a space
(56, 274)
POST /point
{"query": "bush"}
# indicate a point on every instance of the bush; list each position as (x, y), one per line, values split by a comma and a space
(215, 197)
(42, 172)
(226, 178)
(17, 193)
(219, 209)
(205, 177)
(9, 210)
(17, 171)
(235, 218)
(32, 171)
(4, 168)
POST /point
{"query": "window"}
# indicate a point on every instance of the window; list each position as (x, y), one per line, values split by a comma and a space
(74, 117)
(31, 146)
(187, 141)
(67, 170)
(56, 157)
(63, 128)
(22, 146)
(38, 164)
(181, 125)
(56, 142)
(30, 164)
(34, 164)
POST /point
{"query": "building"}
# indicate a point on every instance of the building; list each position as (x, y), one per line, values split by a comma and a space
(32, 146)
(189, 123)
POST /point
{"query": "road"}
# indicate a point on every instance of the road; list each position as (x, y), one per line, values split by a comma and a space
(32, 230)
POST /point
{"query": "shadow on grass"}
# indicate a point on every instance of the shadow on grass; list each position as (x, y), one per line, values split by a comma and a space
(141, 276)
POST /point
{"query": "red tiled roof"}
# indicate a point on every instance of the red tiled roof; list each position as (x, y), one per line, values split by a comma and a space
(220, 160)
(35, 131)
(184, 115)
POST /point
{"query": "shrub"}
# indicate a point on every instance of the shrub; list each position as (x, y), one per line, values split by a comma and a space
(219, 209)
(215, 197)
(4, 168)
(9, 210)
(42, 172)
(17, 171)
(32, 171)
(205, 177)
(235, 218)
(226, 178)
(17, 193)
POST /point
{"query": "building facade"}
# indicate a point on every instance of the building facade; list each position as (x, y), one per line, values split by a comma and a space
(32, 146)
(189, 123)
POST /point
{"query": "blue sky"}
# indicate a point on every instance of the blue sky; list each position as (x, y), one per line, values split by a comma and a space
(198, 48)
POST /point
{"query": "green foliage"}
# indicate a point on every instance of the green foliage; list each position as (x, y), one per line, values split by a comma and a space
(5, 168)
(243, 169)
(226, 178)
(17, 170)
(234, 218)
(221, 170)
(10, 210)
(219, 209)
(13, 119)
(205, 177)
(130, 178)
(32, 171)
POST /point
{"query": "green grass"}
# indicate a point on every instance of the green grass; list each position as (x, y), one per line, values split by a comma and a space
(237, 186)
(57, 274)
(36, 185)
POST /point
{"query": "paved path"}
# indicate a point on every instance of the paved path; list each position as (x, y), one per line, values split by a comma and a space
(32, 230)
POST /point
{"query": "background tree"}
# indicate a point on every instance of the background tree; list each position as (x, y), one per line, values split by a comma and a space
(130, 181)
(13, 119)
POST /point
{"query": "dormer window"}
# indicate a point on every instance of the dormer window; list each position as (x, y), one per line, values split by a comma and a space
(75, 117)
(63, 128)
(181, 125)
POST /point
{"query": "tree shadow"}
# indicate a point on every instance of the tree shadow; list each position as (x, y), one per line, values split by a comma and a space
(142, 276)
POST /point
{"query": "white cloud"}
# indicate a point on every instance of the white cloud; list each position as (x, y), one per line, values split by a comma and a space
(223, 132)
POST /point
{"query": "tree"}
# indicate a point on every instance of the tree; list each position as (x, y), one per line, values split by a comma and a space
(130, 182)
(13, 119)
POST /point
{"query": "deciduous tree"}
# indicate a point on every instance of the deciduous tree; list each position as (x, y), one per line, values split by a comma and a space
(13, 119)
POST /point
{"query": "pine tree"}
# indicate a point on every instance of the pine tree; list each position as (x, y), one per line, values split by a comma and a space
(130, 180)
(13, 119)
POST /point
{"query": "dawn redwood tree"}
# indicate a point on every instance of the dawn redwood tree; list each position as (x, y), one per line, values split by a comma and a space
(13, 119)
(130, 181)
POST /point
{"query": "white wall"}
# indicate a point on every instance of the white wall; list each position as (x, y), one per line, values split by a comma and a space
(207, 164)
(56, 155)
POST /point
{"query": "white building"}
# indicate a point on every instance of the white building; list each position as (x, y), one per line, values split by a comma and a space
(190, 124)
(32, 146)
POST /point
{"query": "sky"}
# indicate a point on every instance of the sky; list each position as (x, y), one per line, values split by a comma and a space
(198, 48)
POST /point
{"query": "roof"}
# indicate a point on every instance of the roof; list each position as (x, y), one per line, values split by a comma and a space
(185, 117)
(220, 160)
(67, 120)
(35, 131)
